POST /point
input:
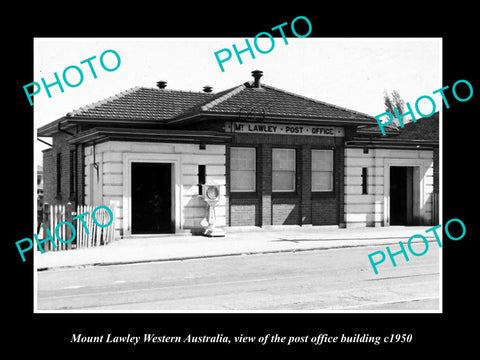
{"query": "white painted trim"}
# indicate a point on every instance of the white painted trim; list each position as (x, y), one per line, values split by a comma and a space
(294, 169)
(254, 168)
(176, 161)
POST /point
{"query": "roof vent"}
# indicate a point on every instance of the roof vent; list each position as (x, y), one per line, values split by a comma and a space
(207, 89)
(257, 74)
(162, 84)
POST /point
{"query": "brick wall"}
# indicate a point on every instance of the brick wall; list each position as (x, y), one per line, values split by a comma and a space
(66, 155)
(325, 211)
(49, 172)
(285, 211)
(264, 207)
(245, 213)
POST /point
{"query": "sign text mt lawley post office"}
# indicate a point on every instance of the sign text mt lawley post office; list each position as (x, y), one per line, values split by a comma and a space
(282, 129)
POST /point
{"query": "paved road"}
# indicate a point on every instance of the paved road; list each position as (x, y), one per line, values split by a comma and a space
(321, 280)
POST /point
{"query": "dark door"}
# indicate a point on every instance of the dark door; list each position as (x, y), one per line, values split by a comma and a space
(401, 195)
(152, 198)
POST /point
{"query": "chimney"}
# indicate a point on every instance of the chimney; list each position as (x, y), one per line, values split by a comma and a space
(207, 89)
(161, 84)
(257, 74)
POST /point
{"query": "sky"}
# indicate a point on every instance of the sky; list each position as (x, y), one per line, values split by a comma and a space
(347, 72)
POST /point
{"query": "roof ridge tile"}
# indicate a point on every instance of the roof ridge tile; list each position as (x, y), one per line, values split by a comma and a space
(174, 90)
(222, 98)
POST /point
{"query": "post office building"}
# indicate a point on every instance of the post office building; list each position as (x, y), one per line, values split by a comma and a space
(278, 158)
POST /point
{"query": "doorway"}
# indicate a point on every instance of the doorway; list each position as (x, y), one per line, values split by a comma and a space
(401, 195)
(152, 198)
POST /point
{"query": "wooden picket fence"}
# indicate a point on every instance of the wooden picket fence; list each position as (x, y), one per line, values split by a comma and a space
(97, 236)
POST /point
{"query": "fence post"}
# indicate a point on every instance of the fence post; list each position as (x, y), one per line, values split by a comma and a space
(46, 221)
(69, 218)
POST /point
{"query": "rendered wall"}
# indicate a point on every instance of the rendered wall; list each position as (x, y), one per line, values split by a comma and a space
(111, 183)
(372, 209)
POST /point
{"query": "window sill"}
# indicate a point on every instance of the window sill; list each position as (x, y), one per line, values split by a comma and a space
(244, 194)
(323, 194)
(284, 194)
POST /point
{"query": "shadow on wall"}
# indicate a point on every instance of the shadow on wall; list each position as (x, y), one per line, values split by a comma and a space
(430, 210)
(195, 215)
(285, 213)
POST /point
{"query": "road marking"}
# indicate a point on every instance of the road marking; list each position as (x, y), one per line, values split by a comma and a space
(172, 287)
(72, 287)
(400, 276)
(384, 303)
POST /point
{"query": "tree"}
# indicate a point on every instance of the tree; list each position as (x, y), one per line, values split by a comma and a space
(394, 101)
(398, 102)
(388, 102)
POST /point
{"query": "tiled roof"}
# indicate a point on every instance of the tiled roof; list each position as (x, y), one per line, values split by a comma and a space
(246, 100)
(423, 129)
(374, 131)
(141, 103)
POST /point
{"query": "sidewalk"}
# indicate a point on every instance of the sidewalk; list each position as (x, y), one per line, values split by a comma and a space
(139, 249)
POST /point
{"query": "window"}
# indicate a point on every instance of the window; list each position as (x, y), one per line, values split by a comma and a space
(202, 174)
(59, 173)
(364, 180)
(283, 170)
(73, 171)
(322, 170)
(242, 169)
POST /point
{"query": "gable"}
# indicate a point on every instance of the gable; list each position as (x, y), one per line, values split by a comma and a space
(267, 102)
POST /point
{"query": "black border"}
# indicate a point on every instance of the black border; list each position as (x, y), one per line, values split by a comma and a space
(434, 333)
